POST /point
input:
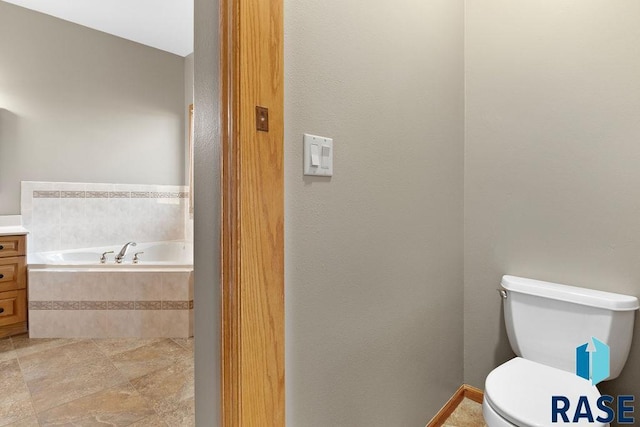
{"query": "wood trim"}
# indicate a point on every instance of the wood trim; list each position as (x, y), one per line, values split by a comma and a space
(463, 391)
(473, 393)
(253, 214)
(229, 229)
(448, 408)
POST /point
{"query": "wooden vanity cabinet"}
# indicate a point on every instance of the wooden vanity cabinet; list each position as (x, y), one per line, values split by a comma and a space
(13, 285)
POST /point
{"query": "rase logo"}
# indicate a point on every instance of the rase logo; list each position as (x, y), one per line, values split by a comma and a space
(592, 364)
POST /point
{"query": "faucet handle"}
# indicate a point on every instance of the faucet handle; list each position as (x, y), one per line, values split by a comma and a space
(135, 257)
(103, 258)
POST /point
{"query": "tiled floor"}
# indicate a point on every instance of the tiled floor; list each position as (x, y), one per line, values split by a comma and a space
(107, 382)
(467, 414)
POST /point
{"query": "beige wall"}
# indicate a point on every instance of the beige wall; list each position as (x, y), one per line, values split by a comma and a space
(188, 100)
(80, 105)
(207, 214)
(552, 155)
(374, 254)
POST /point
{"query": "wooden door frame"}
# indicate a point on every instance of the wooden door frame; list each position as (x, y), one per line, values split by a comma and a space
(252, 228)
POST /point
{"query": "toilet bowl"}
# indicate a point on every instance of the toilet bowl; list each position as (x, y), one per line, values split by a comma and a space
(518, 393)
(546, 324)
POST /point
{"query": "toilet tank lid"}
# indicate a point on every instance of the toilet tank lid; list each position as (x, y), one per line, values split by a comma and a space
(582, 296)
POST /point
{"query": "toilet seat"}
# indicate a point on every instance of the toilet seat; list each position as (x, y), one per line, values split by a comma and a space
(520, 391)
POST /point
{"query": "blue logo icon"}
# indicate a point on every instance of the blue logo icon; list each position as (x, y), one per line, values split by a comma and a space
(592, 362)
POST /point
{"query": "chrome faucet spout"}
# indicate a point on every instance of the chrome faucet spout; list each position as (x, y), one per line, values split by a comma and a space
(123, 252)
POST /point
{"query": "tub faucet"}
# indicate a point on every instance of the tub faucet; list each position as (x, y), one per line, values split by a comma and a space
(136, 259)
(103, 258)
(123, 252)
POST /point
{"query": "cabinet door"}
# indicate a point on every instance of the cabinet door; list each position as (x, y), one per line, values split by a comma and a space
(13, 307)
(11, 246)
(12, 273)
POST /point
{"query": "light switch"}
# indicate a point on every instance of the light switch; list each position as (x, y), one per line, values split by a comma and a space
(315, 156)
(318, 155)
(326, 156)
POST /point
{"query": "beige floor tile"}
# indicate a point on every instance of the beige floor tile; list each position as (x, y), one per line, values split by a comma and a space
(69, 378)
(8, 355)
(183, 416)
(144, 360)
(113, 346)
(6, 344)
(16, 404)
(152, 421)
(185, 342)
(117, 406)
(166, 388)
(25, 345)
(30, 421)
(6, 350)
(77, 382)
(467, 414)
(63, 355)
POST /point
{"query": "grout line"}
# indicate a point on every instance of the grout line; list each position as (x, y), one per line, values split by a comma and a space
(129, 380)
(73, 400)
(183, 346)
(81, 397)
(126, 380)
(33, 408)
(153, 341)
(68, 341)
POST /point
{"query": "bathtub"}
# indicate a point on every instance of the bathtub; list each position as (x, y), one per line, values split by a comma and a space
(72, 295)
(174, 254)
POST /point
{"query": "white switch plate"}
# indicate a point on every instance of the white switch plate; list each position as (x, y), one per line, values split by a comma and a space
(323, 144)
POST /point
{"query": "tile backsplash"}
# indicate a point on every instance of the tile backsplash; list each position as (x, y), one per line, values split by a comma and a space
(62, 215)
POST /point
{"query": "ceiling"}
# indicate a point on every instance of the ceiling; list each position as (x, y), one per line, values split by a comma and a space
(163, 24)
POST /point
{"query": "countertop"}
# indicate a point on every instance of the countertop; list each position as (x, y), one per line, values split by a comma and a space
(13, 230)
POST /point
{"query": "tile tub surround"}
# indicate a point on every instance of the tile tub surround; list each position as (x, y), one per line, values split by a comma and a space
(110, 304)
(63, 216)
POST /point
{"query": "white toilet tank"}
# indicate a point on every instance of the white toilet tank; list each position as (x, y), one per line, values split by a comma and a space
(546, 322)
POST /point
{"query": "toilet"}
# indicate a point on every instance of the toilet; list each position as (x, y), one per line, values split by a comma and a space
(546, 323)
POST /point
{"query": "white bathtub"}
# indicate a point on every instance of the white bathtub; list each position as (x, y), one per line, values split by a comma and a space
(174, 254)
(71, 294)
